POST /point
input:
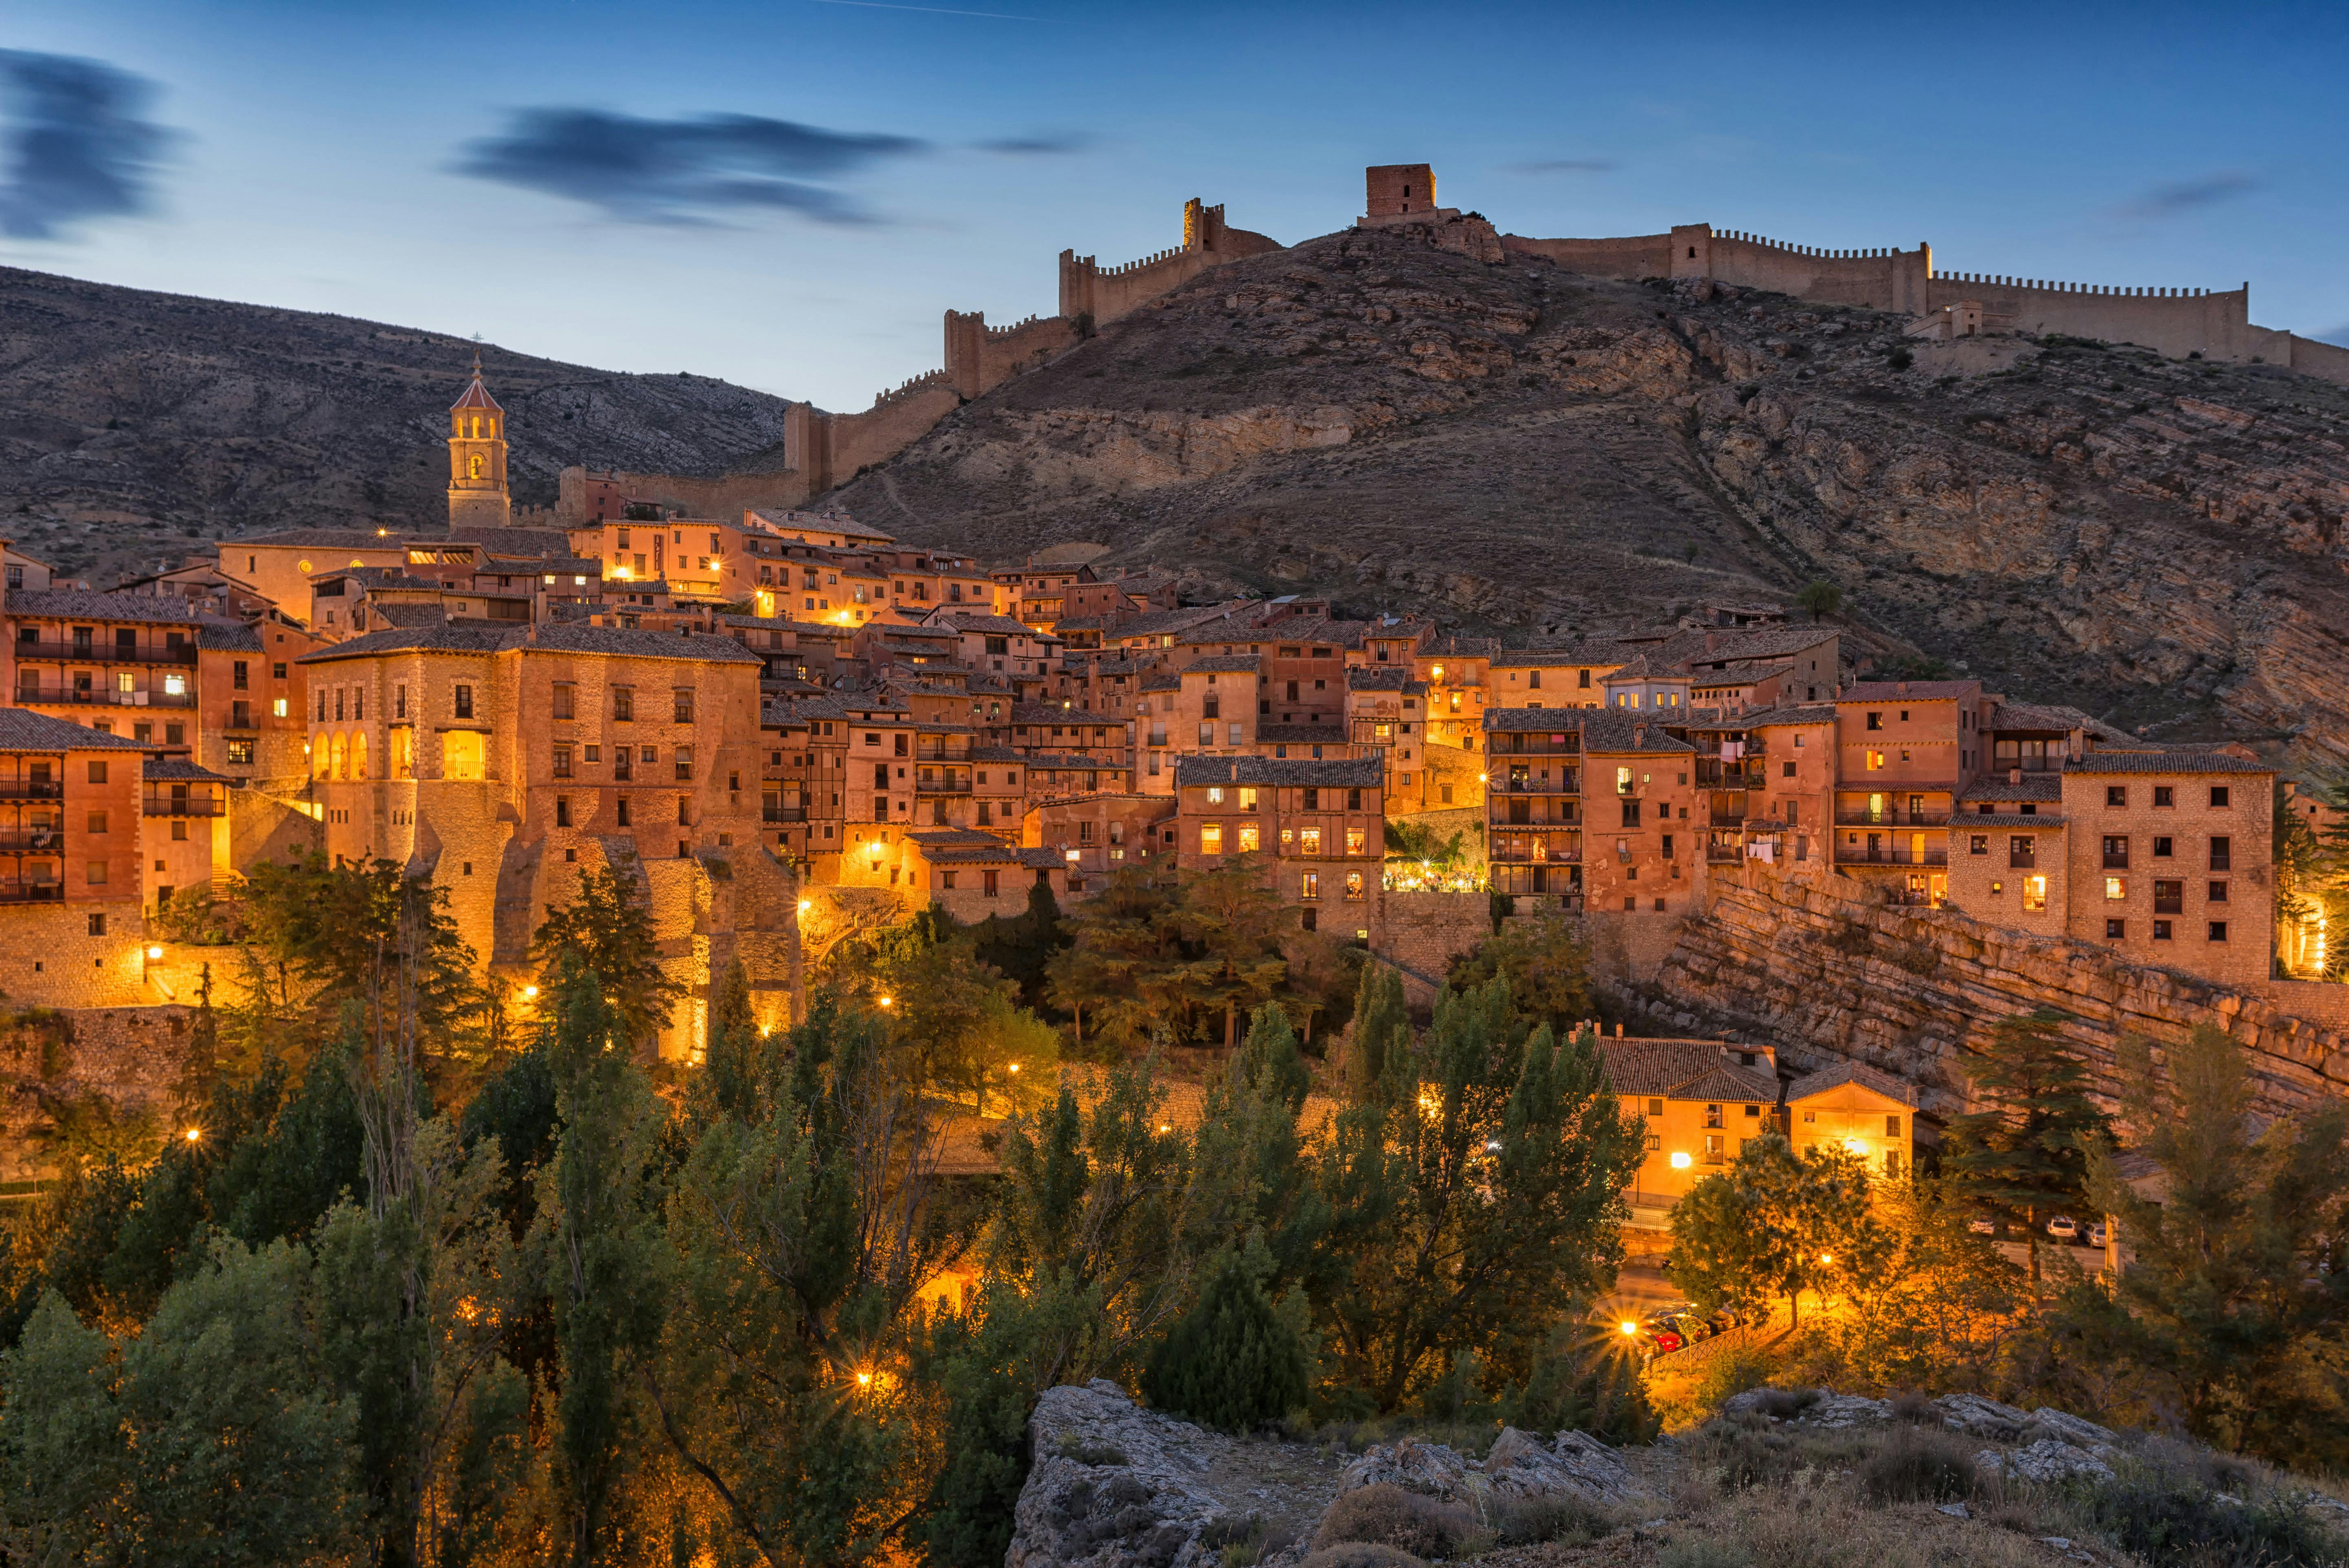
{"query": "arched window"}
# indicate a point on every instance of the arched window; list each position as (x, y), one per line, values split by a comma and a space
(460, 755)
(358, 756)
(341, 757)
(477, 418)
(403, 754)
(477, 465)
(322, 759)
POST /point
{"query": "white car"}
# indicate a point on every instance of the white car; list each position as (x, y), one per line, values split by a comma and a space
(2064, 1228)
(1982, 1225)
(2096, 1233)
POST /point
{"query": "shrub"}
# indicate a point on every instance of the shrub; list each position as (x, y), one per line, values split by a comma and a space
(1530, 1521)
(1362, 1555)
(1734, 1371)
(2169, 1518)
(1917, 1464)
(1390, 1516)
(1247, 1539)
(1584, 1387)
(1704, 1554)
(1234, 1360)
(1899, 359)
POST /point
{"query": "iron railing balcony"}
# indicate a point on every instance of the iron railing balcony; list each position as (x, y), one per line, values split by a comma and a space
(33, 841)
(182, 805)
(1889, 817)
(29, 696)
(1713, 773)
(782, 813)
(950, 783)
(32, 789)
(1889, 855)
(1569, 785)
(12, 892)
(105, 653)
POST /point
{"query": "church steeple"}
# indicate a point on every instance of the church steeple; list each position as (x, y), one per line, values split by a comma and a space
(477, 458)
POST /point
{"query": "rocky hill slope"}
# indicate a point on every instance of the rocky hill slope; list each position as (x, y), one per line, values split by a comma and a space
(1514, 447)
(134, 424)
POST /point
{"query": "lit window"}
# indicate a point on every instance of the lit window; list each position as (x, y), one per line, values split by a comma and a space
(1308, 840)
(1875, 760)
(1211, 838)
(2115, 888)
(1215, 794)
(2034, 893)
(1353, 884)
(1248, 837)
(1309, 885)
(277, 707)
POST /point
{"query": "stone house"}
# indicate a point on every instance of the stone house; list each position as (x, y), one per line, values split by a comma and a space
(1095, 834)
(72, 853)
(1854, 1107)
(1314, 829)
(1698, 1103)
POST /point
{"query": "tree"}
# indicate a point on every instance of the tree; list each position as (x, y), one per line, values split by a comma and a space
(2234, 1298)
(598, 1232)
(2024, 1153)
(1235, 1360)
(607, 928)
(1478, 1190)
(1772, 1224)
(801, 1233)
(1821, 597)
(1231, 921)
(1382, 1034)
(1546, 964)
(1932, 1304)
(958, 1021)
(1121, 977)
(212, 1437)
(1020, 947)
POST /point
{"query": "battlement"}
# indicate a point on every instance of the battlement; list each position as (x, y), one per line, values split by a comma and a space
(910, 387)
(2104, 290)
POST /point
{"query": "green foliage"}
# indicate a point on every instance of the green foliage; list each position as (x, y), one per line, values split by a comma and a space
(1475, 1193)
(2233, 1309)
(1381, 1036)
(213, 1437)
(1387, 1515)
(957, 1021)
(1235, 1360)
(978, 1365)
(1020, 947)
(608, 929)
(1931, 1305)
(1547, 968)
(1584, 1381)
(1773, 1224)
(2024, 1153)
(1821, 598)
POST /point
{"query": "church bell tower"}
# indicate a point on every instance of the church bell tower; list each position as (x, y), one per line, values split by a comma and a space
(477, 459)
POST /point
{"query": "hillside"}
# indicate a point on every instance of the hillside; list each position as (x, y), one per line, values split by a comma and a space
(1521, 449)
(133, 425)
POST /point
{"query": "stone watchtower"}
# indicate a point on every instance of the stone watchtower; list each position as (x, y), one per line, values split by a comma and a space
(477, 459)
(1395, 189)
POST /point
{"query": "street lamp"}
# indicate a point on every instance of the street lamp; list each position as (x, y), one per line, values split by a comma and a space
(1628, 1327)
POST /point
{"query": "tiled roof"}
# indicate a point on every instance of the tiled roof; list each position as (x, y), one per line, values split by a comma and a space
(327, 539)
(1684, 1070)
(168, 768)
(782, 623)
(1910, 691)
(2035, 786)
(498, 638)
(1301, 735)
(1963, 820)
(989, 623)
(228, 636)
(1794, 714)
(1165, 681)
(1377, 678)
(1053, 713)
(1592, 654)
(1365, 774)
(88, 604)
(2165, 763)
(23, 731)
(1535, 721)
(407, 613)
(1227, 663)
(1158, 623)
(1602, 729)
(1858, 1072)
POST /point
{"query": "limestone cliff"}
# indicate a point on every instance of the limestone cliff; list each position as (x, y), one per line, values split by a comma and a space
(1830, 977)
(1376, 417)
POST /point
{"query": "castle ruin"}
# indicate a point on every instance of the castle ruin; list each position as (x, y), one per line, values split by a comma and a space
(824, 449)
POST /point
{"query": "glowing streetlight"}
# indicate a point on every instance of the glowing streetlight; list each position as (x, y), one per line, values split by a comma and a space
(1826, 1257)
(806, 903)
(154, 955)
(865, 1379)
(1014, 1067)
(1628, 1327)
(1855, 1146)
(1681, 1162)
(888, 1001)
(529, 990)
(195, 1135)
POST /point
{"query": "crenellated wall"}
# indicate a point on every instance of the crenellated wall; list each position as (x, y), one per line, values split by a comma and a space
(2173, 321)
(823, 449)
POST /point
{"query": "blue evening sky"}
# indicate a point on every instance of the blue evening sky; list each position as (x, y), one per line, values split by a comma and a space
(788, 192)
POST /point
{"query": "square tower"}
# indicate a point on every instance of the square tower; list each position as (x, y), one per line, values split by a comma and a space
(1391, 189)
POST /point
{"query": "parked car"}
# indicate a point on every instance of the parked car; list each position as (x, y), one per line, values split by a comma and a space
(2064, 1228)
(1662, 1338)
(1691, 1326)
(2096, 1233)
(1982, 1225)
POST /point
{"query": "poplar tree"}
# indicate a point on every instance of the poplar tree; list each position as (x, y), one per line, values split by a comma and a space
(607, 928)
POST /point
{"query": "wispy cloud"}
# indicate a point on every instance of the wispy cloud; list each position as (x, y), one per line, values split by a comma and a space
(75, 143)
(682, 172)
(1563, 166)
(2180, 197)
(1047, 145)
(933, 10)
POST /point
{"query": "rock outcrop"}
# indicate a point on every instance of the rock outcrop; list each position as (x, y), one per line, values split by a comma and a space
(1111, 1485)
(2043, 1445)
(1831, 977)
(2161, 541)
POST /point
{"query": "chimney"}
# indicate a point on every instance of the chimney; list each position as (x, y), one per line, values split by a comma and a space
(1904, 689)
(1639, 736)
(2015, 775)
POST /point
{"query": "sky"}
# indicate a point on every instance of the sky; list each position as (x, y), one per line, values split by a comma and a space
(789, 194)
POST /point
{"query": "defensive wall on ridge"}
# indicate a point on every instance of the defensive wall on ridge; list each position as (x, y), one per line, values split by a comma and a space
(2175, 322)
(823, 449)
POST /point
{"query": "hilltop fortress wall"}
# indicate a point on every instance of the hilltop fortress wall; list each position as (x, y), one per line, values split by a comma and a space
(2175, 322)
(821, 449)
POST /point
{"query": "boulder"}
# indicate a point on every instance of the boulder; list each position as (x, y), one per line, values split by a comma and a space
(1574, 1464)
(2048, 1461)
(1430, 1469)
(1980, 1418)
